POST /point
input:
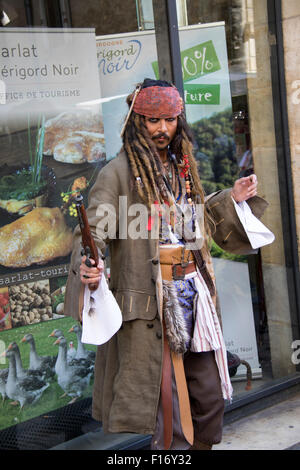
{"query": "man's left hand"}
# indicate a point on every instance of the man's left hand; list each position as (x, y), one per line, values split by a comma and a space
(244, 188)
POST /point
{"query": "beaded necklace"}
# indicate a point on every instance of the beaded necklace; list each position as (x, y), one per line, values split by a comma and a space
(185, 173)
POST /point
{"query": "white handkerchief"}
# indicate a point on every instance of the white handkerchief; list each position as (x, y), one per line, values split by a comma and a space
(259, 235)
(106, 317)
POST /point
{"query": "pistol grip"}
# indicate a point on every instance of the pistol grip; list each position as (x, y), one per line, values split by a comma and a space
(88, 263)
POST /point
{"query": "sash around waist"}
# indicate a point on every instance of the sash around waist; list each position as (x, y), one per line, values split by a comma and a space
(173, 255)
(176, 262)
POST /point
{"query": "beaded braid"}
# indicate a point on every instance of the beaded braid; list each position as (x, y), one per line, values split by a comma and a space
(182, 145)
(140, 173)
(144, 161)
(133, 166)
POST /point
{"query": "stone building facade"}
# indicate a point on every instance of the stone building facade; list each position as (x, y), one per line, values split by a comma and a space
(291, 37)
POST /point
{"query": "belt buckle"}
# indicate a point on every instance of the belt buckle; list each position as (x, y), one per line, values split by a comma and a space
(179, 277)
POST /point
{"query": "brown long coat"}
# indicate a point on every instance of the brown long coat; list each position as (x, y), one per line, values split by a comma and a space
(128, 367)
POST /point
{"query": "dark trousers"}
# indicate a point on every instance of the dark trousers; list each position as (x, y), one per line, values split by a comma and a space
(207, 403)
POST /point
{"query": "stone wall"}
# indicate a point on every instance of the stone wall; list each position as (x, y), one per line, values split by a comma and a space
(263, 140)
(291, 38)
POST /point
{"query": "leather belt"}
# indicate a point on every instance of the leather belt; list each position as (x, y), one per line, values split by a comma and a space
(173, 255)
(178, 271)
(183, 398)
(176, 262)
(166, 393)
(169, 358)
(170, 271)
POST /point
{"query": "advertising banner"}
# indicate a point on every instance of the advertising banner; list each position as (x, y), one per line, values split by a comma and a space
(125, 60)
(205, 71)
(234, 292)
(45, 72)
(52, 141)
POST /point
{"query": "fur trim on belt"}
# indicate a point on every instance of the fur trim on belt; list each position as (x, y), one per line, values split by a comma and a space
(176, 332)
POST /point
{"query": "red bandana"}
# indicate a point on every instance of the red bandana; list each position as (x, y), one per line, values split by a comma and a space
(158, 102)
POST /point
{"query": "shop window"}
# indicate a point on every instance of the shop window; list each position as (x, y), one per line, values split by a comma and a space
(235, 137)
(65, 70)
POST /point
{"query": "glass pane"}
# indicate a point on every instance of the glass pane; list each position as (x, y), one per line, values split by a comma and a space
(229, 105)
(65, 71)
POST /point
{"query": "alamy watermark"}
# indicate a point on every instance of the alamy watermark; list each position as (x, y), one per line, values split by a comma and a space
(137, 221)
(2, 351)
(295, 357)
(2, 92)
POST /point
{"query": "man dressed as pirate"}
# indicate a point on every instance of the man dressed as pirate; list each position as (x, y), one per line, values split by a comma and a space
(164, 371)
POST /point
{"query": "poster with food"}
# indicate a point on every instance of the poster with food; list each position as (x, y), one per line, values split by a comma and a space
(52, 146)
(37, 195)
(5, 310)
(30, 303)
(75, 137)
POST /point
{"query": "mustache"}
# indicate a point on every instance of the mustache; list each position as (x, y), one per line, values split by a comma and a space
(161, 134)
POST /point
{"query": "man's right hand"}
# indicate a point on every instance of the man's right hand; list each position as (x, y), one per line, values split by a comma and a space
(91, 274)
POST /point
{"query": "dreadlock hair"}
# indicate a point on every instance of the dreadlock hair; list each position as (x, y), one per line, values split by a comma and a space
(145, 162)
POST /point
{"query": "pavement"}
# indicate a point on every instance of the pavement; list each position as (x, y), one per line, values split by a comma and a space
(274, 428)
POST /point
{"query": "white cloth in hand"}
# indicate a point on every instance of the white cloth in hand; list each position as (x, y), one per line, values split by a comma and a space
(105, 318)
(258, 234)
